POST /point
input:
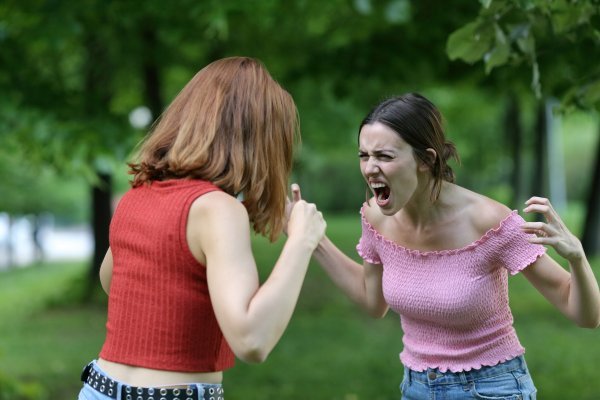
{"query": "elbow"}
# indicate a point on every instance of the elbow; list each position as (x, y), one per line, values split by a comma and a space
(252, 351)
(252, 356)
(589, 324)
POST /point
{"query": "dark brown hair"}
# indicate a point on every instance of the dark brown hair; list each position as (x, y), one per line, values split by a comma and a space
(420, 124)
(232, 125)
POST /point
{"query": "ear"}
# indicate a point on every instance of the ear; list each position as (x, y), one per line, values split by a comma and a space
(431, 156)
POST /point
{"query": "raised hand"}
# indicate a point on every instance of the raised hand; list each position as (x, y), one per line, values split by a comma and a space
(296, 194)
(304, 219)
(553, 232)
(289, 204)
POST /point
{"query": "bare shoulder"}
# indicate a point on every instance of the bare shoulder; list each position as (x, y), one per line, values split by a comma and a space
(217, 224)
(486, 213)
(217, 207)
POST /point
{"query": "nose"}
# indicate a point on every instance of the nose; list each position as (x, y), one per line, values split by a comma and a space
(371, 167)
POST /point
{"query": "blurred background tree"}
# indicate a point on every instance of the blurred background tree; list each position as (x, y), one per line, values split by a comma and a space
(81, 83)
(547, 38)
(72, 73)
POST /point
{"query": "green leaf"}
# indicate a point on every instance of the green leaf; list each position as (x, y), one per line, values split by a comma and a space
(485, 3)
(500, 54)
(568, 15)
(524, 39)
(471, 42)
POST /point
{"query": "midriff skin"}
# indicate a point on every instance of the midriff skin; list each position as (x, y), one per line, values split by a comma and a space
(145, 377)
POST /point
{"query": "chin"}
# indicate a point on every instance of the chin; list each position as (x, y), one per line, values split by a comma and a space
(388, 211)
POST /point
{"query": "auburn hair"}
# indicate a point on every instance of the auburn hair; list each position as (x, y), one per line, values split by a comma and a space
(232, 125)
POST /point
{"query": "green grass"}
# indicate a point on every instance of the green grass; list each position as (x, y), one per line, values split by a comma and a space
(331, 351)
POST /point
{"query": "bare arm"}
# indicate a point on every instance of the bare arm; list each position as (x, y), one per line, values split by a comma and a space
(575, 294)
(252, 317)
(106, 271)
(361, 283)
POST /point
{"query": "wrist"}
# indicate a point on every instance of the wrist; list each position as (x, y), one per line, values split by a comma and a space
(576, 256)
(300, 242)
(322, 245)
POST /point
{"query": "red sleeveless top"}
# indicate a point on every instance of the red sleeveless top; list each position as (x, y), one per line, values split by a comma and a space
(159, 311)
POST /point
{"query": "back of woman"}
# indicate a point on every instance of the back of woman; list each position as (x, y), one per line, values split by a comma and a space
(184, 294)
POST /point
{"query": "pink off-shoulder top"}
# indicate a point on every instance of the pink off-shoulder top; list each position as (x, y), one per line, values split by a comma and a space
(453, 304)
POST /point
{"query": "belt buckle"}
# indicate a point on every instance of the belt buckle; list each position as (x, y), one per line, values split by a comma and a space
(86, 371)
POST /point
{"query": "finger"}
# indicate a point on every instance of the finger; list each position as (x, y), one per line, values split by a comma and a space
(533, 226)
(296, 194)
(538, 231)
(538, 200)
(537, 208)
(539, 240)
(546, 210)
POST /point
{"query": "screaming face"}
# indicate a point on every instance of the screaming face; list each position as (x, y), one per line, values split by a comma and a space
(388, 165)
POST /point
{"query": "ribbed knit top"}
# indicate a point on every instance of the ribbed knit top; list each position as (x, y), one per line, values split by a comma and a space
(453, 304)
(159, 311)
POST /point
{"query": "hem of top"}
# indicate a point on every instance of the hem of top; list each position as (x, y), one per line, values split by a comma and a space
(170, 368)
(416, 252)
(366, 258)
(528, 261)
(465, 367)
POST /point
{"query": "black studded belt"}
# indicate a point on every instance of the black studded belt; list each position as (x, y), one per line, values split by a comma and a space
(108, 387)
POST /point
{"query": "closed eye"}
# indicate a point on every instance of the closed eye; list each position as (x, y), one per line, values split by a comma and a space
(380, 156)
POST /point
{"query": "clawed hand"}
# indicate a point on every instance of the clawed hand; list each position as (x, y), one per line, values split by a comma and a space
(553, 232)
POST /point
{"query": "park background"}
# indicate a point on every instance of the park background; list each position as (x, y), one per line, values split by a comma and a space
(518, 82)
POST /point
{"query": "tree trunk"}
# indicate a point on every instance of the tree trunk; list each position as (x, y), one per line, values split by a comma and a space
(539, 185)
(98, 74)
(591, 228)
(514, 133)
(555, 173)
(150, 71)
(101, 215)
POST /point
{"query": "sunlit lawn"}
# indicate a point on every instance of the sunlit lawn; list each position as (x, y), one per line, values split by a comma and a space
(330, 351)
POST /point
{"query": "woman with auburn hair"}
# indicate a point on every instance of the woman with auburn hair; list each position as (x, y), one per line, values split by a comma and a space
(183, 289)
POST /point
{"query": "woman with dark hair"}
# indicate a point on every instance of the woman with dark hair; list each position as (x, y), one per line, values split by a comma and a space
(183, 289)
(439, 255)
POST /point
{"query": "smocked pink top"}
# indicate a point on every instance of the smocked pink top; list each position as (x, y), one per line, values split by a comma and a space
(453, 304)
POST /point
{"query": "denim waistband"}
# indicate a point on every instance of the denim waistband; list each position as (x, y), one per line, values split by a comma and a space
(433, 376)
(99, 380)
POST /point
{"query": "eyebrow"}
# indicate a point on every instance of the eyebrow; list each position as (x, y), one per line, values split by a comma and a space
(376, 152)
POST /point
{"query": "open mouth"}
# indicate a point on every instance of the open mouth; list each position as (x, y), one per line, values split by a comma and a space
(382, 192)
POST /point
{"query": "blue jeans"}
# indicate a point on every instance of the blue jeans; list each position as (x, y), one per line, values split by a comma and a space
(89, 393)
(509, 380)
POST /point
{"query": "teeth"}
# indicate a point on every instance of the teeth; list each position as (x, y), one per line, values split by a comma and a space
(377, 185)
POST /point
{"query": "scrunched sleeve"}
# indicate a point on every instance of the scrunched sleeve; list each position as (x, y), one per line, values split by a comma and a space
(367, 244)
(514, 252)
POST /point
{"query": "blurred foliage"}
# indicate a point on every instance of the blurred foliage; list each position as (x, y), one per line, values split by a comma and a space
(31, 186)
(546, 35)
(10, 389)
(579, 139)
(70, 74)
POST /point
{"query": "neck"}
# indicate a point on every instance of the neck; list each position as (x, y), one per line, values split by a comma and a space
(421, 211)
